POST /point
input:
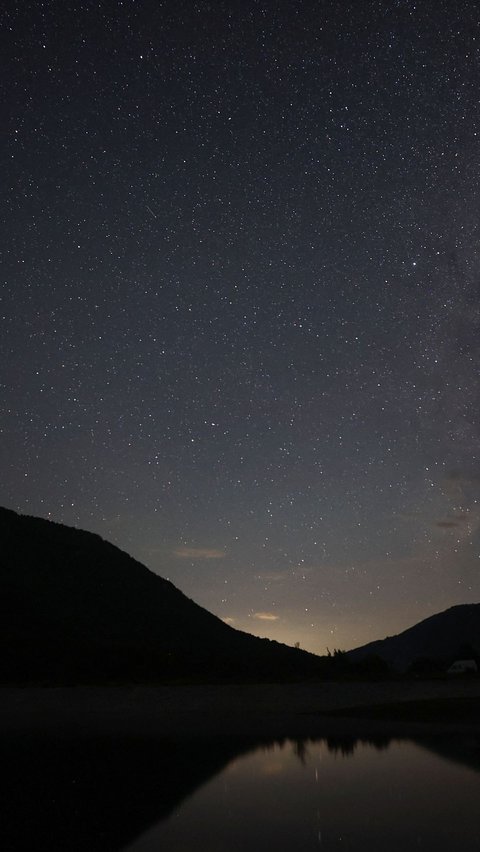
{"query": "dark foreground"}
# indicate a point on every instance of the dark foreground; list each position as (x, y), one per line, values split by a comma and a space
(86, 769)
(245, 709)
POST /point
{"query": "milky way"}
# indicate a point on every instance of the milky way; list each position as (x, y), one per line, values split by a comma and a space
(240, 301)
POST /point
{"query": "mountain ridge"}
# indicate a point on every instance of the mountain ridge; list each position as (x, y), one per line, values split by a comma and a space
(77, 608)
(437, 638)
(74, 608)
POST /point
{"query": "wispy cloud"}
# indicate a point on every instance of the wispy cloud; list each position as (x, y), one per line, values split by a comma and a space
(272, 577)
(228, 620)
(466, 524)
(198, 553)
(266, 616)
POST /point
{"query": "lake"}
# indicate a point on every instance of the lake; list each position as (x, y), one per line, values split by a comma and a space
(96, 792)
(332, 795)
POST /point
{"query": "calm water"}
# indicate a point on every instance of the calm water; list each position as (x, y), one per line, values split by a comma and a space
(331, 796)
(73, 792)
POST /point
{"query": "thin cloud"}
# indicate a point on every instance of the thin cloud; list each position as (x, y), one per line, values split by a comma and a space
(266, 616)
(271, 577)
(228, 620)
(198, 553)
(470, 519)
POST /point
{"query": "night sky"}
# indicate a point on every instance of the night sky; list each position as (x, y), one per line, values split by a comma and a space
(241, 299)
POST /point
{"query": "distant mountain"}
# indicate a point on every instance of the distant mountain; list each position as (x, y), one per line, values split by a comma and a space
(440, 638)
(76, 609)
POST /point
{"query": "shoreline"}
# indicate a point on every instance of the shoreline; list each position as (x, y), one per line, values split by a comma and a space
(245, 710)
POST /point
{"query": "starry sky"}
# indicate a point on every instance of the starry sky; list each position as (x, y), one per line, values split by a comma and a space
(240, 315)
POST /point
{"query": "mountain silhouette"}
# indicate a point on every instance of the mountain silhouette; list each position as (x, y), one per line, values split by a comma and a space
(76, 609)
(439, 639)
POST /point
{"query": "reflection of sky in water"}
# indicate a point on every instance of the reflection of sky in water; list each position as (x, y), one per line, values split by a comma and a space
(290, 798)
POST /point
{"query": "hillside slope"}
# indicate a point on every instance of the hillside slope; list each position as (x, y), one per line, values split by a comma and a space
(74, 608)
(439, 637)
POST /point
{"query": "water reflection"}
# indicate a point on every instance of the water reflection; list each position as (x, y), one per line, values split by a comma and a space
(147, 795)
(332, 794)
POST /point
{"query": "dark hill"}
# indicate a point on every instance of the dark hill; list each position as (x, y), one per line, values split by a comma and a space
(76, 609)
(438, 639)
